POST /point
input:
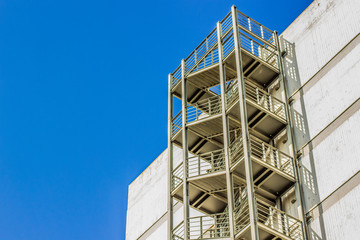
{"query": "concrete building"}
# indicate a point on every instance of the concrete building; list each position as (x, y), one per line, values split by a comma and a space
(293, 171)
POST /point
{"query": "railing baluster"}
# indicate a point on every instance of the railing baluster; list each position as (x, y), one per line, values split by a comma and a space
(201, 227)
(212, 162)
(263, 151)
(199, 165)
(196, 109)
(195, 53)
(209, 104)
(252, 47)
(212, 57)
(271, 217)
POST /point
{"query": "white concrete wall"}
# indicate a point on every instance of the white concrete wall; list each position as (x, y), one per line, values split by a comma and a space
(324, 29)
(340, 221)
(321, 31)
(335, 91)
(147, 200)
(327, 43)
(333, 161)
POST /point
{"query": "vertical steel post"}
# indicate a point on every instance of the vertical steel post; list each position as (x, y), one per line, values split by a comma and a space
(244, 128)
(225, 123)
(291, 132)
(185, 151)
(170, 160)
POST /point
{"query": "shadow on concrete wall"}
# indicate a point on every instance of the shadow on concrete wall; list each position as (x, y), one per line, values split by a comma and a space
(302, 137)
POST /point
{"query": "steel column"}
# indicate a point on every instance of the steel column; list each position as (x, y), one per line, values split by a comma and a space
(170, 160)
(225, 123)
(244, 128)
(290, 131)
(185, 150)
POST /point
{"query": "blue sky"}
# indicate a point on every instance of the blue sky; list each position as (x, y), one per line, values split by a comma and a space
(83, 95)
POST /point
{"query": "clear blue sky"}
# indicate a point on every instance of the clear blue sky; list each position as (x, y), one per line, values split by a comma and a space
(83, 95)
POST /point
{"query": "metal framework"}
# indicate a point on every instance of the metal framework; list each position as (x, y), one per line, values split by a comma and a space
(235, 132)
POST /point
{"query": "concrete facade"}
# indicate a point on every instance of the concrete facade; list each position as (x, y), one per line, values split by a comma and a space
(324, 44)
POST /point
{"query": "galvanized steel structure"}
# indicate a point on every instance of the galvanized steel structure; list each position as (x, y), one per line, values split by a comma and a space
(229, 127)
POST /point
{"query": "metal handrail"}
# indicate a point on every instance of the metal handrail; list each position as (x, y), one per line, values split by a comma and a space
(257, 96)
(176, 76)
(256, 28)
(236, 150)
(176, 123)
(206, 163)
(178, 232)
(204, 54)
(265, 100)
(241, 214)
(266, 214)
(279, 220)
(267, 53)
(204, 108)
(177, 177)
(209, 226)
(210, 41)
(228, 44)
(264, 152)
(226, 23)
(206, 61)
(272, 156)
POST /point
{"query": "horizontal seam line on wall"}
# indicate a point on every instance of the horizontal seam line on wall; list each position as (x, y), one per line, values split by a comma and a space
(333, 193)
(325, 65)
(329, 125)
(157, 221)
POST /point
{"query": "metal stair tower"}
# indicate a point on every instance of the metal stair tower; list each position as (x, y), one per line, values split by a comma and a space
(235, 132)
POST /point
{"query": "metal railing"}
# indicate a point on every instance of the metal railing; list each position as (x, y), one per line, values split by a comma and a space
(217, 225)
(236, 150)
(257, 96)
(206, 163)
(266, 214)
(178, 232)
(228, 43)
(226, 23)
(267, 53)
(272, 156)
(177, 177)
(204, 108)
(176, 76)
(279, 221)
(176, 123)
(209, 226)
(256, 28)
(231, 93)
(265, 100)
(254, 37)
(216, 89)
(210, 59)
(241, 212)
(261, 151)
(204, 55)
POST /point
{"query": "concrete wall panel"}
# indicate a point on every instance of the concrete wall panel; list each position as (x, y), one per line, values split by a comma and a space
(321, 31)
(147, 200)
(333, 161)
(336, 90)
(340, 221)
